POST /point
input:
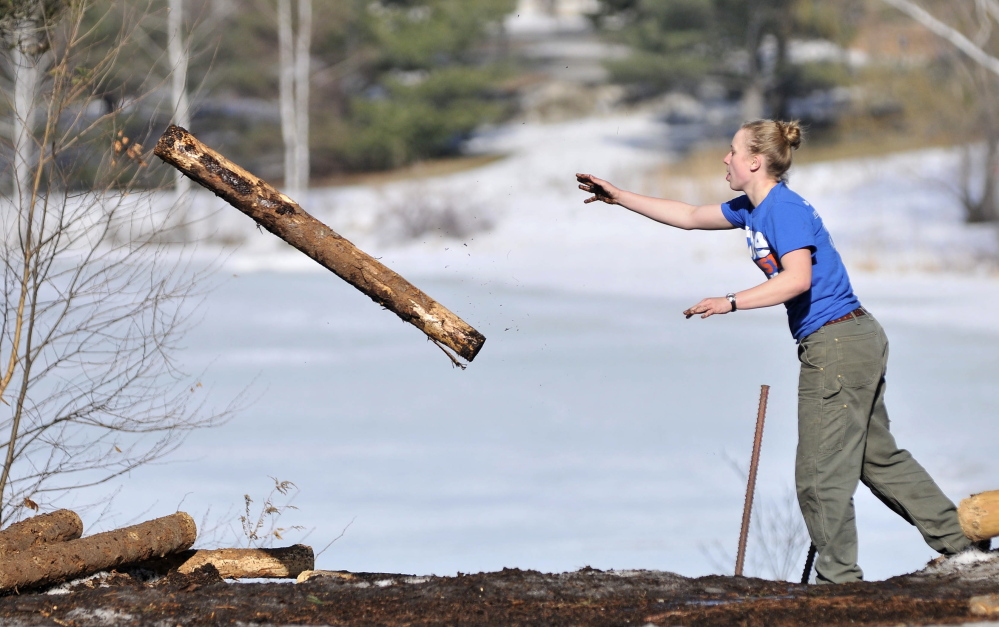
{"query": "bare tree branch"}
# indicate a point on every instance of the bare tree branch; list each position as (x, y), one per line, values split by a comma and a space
(949, 33)
(96, 299)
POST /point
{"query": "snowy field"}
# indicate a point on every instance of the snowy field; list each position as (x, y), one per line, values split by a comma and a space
(597, 426)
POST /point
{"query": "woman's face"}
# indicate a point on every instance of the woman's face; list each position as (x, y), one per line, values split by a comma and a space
(739, 162)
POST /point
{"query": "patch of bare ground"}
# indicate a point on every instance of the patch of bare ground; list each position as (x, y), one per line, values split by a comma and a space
(420, 170)
(698, 175)
(508, 597)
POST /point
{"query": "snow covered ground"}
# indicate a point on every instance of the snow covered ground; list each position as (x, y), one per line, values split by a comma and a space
(597, 426)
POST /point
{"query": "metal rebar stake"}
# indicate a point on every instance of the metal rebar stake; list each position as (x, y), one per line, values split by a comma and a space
(748, 508)
(809, 562)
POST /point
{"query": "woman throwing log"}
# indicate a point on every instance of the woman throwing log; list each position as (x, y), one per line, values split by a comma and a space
(843, 434)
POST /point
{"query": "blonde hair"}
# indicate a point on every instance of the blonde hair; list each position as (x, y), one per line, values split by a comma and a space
(774, 140)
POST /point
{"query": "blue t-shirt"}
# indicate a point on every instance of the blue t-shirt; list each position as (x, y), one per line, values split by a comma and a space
(785, 222)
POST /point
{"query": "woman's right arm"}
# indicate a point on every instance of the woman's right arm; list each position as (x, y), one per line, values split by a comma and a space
(671, 212)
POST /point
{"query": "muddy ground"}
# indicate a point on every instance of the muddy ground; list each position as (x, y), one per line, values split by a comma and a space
(509, 597)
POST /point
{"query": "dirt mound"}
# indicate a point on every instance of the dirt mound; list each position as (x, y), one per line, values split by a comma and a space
(938, 594)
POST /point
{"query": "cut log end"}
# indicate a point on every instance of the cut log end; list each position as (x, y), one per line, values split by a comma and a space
(57, 526)
(979, 515)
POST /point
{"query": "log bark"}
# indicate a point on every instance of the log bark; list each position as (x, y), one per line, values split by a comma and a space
(286, 562)
(53, 563)
(979, 515)
(285, 218)
(57, 526)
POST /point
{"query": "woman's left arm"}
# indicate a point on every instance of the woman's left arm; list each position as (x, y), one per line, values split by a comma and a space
(794, 279)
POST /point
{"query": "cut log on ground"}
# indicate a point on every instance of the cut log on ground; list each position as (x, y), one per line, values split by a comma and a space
(285, 562)
(342, 575)
(54, 563)
(283, 217)
(57, 526)
(979, 515)
(281, 563)
(984, 605)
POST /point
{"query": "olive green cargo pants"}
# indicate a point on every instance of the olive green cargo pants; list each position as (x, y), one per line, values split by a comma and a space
(843, 438)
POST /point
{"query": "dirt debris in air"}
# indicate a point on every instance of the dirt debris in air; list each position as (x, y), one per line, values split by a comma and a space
(940, 594)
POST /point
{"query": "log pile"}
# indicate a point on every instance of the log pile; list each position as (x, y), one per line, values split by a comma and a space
(49, 549)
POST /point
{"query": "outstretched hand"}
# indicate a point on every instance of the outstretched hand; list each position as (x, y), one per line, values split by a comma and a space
(709, 307)
(601, 189)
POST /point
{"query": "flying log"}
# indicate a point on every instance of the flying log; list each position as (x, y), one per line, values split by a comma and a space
(46, 564)
(979, 515)
(285, 218)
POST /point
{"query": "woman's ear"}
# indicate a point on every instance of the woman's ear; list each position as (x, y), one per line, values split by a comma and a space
(756, 163)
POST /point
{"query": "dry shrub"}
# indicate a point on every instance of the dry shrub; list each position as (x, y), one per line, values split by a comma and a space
(413, 211)
(261, 529)
(698, 177)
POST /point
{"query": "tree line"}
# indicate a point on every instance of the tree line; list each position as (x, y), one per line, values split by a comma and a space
(368, 85)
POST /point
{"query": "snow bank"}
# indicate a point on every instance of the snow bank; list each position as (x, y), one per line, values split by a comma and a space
(971, 565)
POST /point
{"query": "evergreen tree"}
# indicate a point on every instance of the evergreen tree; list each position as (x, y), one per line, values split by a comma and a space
(392, 81)
(743, 44)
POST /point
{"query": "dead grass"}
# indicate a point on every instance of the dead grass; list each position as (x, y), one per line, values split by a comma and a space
(861, 144)
(422, 169)
(699, 176)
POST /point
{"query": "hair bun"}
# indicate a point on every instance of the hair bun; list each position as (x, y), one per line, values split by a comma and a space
(775, 141)
(791, 132)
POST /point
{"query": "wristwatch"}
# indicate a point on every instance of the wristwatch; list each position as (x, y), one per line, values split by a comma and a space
(731, 298)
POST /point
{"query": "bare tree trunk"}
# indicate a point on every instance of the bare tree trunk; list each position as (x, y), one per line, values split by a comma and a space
(282, 563)
(951, 34)
(92, 305)
(777, 92)
(28, 67)
(62, 561)
(222, 9)
(283, 217)
(753, 94)
(28, 59)
(303, 51)
(983, 207)
(979, 176)
(178, 54)
(57, 526)
(286, 86)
